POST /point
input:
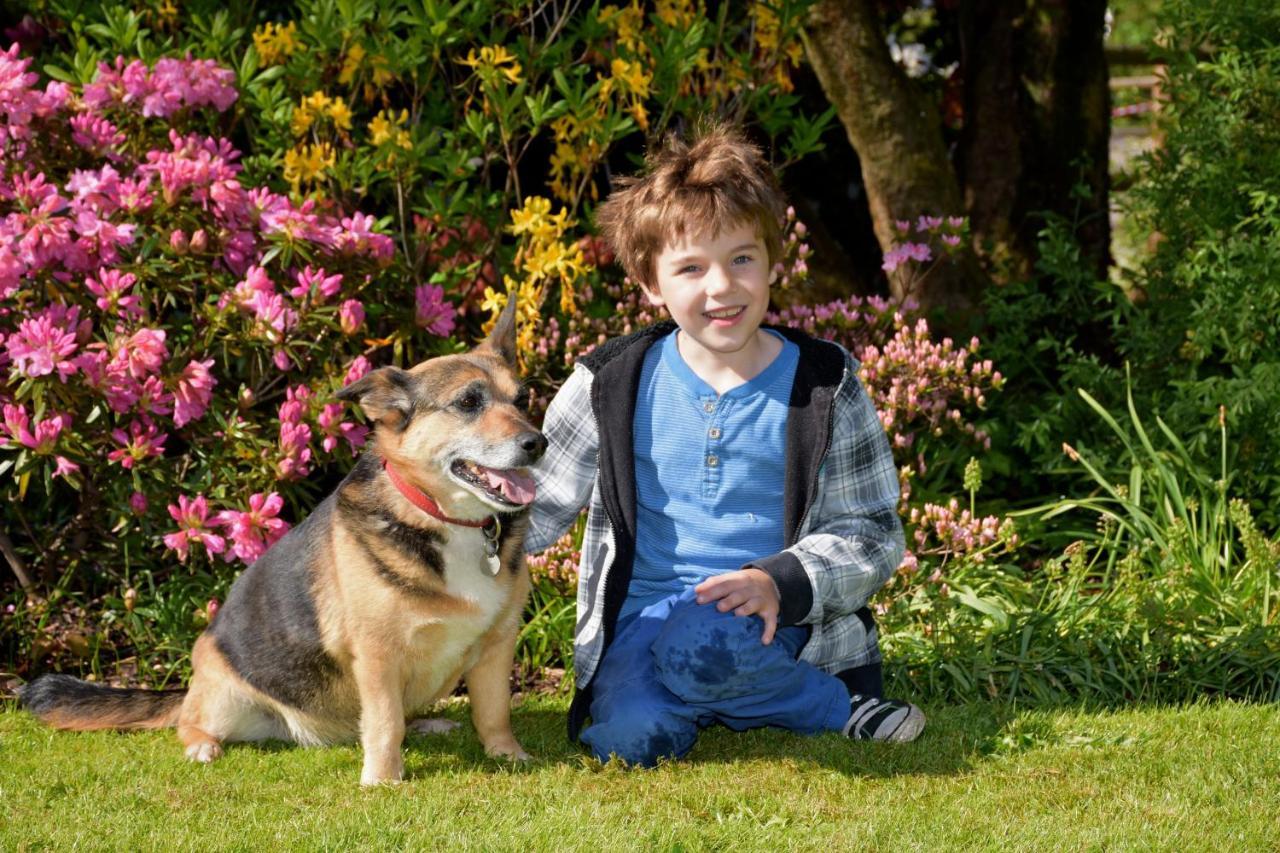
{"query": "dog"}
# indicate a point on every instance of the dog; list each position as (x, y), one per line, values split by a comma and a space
(409, 577)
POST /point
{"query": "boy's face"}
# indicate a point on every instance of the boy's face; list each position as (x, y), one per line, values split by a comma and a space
(717, 289)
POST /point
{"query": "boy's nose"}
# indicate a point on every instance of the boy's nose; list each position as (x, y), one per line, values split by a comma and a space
(717, 280)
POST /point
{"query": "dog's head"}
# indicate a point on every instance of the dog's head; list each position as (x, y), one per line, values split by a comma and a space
(457, 426)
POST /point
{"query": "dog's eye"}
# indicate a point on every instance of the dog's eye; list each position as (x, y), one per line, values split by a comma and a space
(470, 402)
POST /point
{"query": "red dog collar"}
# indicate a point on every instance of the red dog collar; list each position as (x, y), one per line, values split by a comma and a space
(423, 501)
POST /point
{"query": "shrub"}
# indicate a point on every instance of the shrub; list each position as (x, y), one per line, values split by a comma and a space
(1205, 334)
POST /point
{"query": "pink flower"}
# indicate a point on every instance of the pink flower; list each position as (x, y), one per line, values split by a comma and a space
(295, 453)
(94, 133)
(955, 221)
(43, 438)
(359, 368)
(333, 428)
(295, 405)
(315, 281)
(928, 223)
(138, 503)
(351, 316)
(192, 515)
(154, 398)
(356, 236)
(951, 240)
(111, 287)
(902, 225)
(64, 467)
(44, 343)
(142, 442)
(432, 312)
(254, 531)
(195, 390)
(143, 353)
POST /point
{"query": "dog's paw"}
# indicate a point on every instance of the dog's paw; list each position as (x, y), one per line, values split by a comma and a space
(508, 749)
(205, 751)
(438, 726)
(369, 778)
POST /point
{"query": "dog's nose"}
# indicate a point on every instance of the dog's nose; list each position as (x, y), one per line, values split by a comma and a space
(534, 444)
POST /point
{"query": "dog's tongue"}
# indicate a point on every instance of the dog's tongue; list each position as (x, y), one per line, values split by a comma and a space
(515, 487)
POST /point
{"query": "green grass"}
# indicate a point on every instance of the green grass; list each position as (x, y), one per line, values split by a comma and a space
(982, 776)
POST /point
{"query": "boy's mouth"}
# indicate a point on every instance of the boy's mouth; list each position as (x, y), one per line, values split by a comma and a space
(724, 313)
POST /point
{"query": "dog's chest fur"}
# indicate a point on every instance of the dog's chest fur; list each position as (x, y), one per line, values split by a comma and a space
(441, 642)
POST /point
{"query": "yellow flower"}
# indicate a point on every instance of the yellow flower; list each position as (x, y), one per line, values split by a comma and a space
(275, 43)
(351, 64)
(491, 61)
(387, 127)
(626, 24)
(340, 114)
(640, 114)
(307, 162)
(381, 72)
(678, 13)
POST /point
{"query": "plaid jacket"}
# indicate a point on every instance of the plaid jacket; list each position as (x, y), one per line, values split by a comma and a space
(840, 502)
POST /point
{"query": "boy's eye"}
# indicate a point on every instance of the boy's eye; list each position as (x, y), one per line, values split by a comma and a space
(687, 268)
(743, 259)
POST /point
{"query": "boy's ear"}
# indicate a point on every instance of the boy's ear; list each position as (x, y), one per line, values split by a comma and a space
(654, 297)
(385, 395)
(502, 339)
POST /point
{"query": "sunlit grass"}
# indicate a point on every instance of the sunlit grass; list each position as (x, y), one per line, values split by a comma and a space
(981, 776)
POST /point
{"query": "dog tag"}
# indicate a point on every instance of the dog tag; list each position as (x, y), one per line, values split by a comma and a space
(491, 534)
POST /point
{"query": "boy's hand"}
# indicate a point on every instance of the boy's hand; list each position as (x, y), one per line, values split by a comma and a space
(746, 592)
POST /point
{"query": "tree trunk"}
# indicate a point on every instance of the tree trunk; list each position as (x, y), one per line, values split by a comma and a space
(1037, 122)
(898, 136)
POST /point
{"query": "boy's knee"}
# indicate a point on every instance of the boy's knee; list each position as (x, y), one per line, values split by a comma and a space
(638, 736)
(703, 655)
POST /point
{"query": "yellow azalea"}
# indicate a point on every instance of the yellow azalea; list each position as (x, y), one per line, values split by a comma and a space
(492, 59)
(532, 218)
(625, 23)
(678, 13)
(380, 129)
(275, 43)
(307, 162)
(351, 64)
(387, 127)
(640, 114)
(381, 70)
(340, 114)
(307, 111)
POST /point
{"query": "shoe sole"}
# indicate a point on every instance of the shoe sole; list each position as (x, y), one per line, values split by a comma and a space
(910, 728)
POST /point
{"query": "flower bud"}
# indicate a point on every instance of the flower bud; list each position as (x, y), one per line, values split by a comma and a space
(130, 599)
(199, 240)
(178, 241)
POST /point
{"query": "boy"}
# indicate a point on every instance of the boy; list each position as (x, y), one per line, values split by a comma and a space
(742, 495)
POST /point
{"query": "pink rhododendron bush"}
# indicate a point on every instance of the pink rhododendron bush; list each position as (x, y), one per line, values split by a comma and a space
(170, 335)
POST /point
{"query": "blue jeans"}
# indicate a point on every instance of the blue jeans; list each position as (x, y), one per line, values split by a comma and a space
(678, 666)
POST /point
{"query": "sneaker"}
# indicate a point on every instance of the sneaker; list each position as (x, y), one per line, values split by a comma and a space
(883, 719)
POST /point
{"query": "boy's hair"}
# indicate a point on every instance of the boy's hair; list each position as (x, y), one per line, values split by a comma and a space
(700, 187)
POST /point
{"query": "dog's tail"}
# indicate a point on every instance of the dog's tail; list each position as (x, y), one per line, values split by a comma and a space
(69, 703)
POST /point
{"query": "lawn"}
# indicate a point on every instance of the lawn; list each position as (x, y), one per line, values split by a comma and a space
(982, 776)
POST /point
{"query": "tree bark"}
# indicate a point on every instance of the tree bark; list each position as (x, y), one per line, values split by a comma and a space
(1037, 123)
(898, 136)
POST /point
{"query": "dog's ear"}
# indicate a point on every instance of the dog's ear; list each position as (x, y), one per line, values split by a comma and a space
(502, 339)
(385, 395)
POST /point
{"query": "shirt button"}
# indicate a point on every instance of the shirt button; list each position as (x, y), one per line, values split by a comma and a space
(713, 433)
(708, 407)
(712, 460)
